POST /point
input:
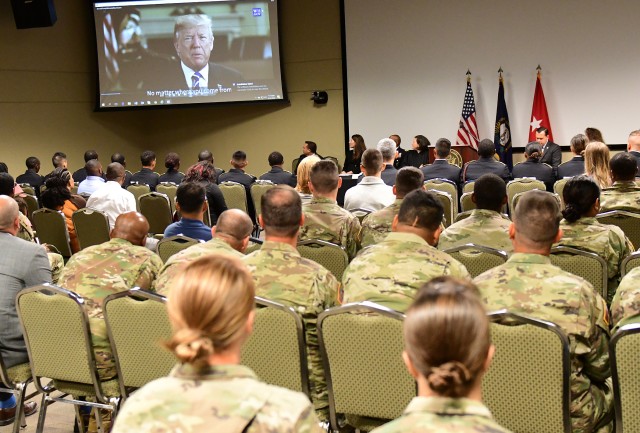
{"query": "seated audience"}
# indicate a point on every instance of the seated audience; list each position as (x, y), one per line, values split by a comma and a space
(31, 176)
(529, 284)
(206, 155)
(448, 349)
(17, 190)
(119, 158)
(581, 229)
(111, 198)
(146, 175)
(594, 134)
(277, 174)
(203, 173)
(624, 193)
(440, 168)
(309, 150)
(58, 197)
(172, 175)
(377, 225)
(532, 167)
(371, 193)
(59, 160)
(81, 174)
(633, 145)
(596, 163)
(323, 218)
(237, 174)
(418, 156)
(93, 179)
(211, 309)
(387, 148)
(391, 272)
(486, 225)
(486, 163)
(191, 204)
(575, 166)
(302, 178)
(399, 150)
(354, 156)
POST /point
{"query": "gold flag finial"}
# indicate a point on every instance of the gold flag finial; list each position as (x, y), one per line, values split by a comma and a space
(500, 71)
(539, 70)
(468, 76)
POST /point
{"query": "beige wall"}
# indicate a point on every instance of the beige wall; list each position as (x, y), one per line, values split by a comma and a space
(47, 98)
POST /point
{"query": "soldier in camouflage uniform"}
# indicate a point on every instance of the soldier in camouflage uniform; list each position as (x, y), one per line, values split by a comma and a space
(485, 226)
(529, 284)
(624, 194)
(208, 390)
(230, 236)
(581, 230)
(448, 375)
(625, 307)
(377, 225)
(323, 218)
(282, 275)
(391, 272)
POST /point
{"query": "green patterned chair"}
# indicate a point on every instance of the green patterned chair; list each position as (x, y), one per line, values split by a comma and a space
(450, 206)
(92, 227)
(51, 228)
(468, 187)
(170, 190)
(558, 188)
(518, 186)
(447, 186)
(527, 386)
(56, 332)
(331, 256)
(361, 347)
(138, 190)
(138, 324)
(32, 204)
(157, 210)
(27, 189)
(585, 264)
(623, 355)
(14, 380)
(361, 213)
(235, 195)
(630, 262)
(276, 350)
(629, 222)
(257, 190)
(466, 202)
(477, 258)
(173, 244)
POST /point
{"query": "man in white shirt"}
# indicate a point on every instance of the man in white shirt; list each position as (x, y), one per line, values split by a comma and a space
(371, 193)
(111, 198)
(94, 179)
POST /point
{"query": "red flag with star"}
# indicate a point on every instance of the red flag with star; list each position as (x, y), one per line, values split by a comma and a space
(539, 114)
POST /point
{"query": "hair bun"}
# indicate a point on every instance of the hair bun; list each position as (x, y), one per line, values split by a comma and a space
(192, 346)
(449, 378)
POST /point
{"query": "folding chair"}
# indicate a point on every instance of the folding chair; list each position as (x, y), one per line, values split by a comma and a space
(629, 222)
(235, 195)
(92, 227)
(477, 258)
(448, 204)
(558, 188)
(585, 264)
(529, 378)
(172, 245)
(32, 205)
(629, 262)
(137, 324)
(331, 256)
(468, 187)
(169, 189)
(58, 339)
(157, 210)
(137, 190)
(623, 355)
(15, 380)
(466, 203)
(257, 190)
(522, 185)
(28, 189)
(447, 186)
(51, 228)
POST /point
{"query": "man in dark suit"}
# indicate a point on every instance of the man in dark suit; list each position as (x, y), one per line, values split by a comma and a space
(399, 150)
(206, 155)
(24, 264)
(575, 166)
(551, 152)
(146, 175)
(31, 176)
(440, 168)
(81, 174)
(277, 174)
(485, 164)
(633, 145)
(237, 174)
(387, 148)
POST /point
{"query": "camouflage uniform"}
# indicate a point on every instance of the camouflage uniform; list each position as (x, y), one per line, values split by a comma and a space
(607, 241)
(222, 398)
(483, 227)
(56, 261)
(621, 196)
(188, 255)
(529, 284)
(282, 275)
(100, 270)
(625, 307)
(325, 220)
(391, 272)
(443, 415)
(377, 225)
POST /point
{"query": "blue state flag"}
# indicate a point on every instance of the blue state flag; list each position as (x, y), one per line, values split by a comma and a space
(502, 131)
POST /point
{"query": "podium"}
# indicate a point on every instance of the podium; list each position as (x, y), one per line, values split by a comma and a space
(468, 153)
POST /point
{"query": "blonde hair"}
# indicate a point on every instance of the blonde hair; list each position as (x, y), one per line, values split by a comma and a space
(447, 337)
(208, 307)
(304, 174)
(596, 163)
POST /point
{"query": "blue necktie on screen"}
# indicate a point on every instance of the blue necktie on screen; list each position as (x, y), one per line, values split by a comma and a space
(195, 80)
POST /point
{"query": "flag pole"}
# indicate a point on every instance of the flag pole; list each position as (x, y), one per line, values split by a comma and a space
(468, 76)
(539, 71)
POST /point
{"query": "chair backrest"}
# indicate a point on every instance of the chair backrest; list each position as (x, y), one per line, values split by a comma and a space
(466, 203)
(257, 190)
(629, 222)
(455, 158)
(137, 190)
(137, 324)
(360, 213)
(529, 378)
(169, 189)
(335, 160)
(254, 245)
(519, 195)
(235, 195)
(630, 262)
(521, 185)
(585, 264)
(28, 189)
(276, 350)
(57, 336)
(558, 188)
(294, 165)
(468, 187)
(463, 215)
(447, 186)
(92, 227)
(51, 228)
(477, 258)
(331, 256)
(32, 204)
(157, 209)
(172, 245)
(623, 355)
(361, 347)
(449, 206)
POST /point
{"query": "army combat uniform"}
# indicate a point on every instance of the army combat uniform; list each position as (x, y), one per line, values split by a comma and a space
(529, 284)
(621, 196)
(483, 227)
(283, 276)
(177, 261)
(625, 307)
(325, 220)
(222, 398)
(377, 225)
(443, 415)
(391, 272)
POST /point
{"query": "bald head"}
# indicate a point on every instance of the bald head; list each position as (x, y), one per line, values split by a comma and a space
(234, 227)
(93, 167)
(205, 155)
(8, 215)
(131, 226)
(115, 172)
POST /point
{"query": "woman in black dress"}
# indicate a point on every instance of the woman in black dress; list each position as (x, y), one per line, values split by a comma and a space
(354, 156)
(418, 155)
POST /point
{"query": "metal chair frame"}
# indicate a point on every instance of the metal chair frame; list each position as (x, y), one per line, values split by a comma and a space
(577, 252)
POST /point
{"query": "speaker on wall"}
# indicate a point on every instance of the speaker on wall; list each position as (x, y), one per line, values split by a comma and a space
(33, 13)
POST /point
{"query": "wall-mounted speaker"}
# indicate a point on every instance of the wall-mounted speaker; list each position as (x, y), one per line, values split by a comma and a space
(33, 13)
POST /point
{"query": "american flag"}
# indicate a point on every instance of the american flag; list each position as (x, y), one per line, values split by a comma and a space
(468, 128)
(110, 50)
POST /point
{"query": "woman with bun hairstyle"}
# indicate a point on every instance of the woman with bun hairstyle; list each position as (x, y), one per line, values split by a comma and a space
(581, 229)
(211, 308)
(532, 167)
(447, 350)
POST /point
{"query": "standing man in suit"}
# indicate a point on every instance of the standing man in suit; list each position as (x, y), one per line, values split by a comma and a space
(551, 152)
(25, 264)
(440, 168)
